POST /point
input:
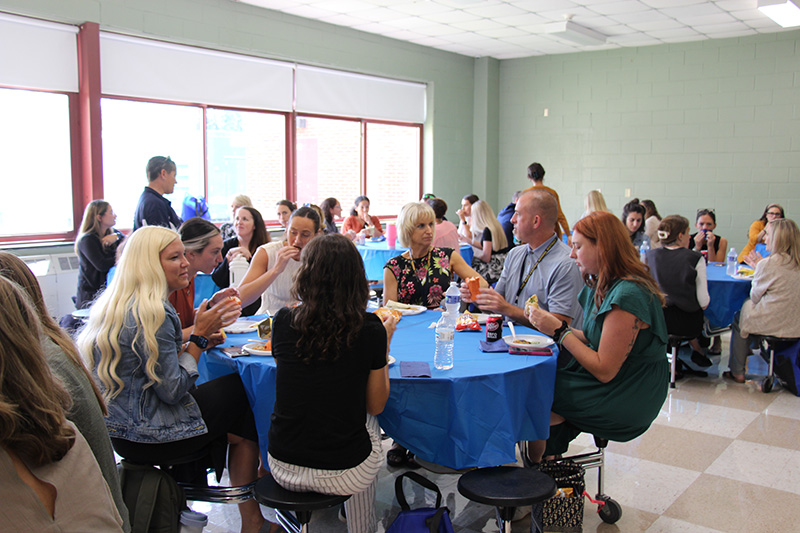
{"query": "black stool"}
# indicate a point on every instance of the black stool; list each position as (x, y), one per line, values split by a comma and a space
(191, 474)
(269, 493)
(673, 343)
(768, 343)
(506, 487)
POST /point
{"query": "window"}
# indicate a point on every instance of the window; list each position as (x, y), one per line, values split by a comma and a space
(393, 166)
(328, 160)
(246, 155)
(35, 150)
(133, 132)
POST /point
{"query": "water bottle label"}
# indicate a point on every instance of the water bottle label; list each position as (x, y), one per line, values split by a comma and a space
(453, 299)
(445, 335)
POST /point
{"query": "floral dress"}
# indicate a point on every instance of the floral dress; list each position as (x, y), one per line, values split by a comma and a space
(422, 281)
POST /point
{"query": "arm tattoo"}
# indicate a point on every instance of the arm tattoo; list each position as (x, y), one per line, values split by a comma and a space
(637, 325)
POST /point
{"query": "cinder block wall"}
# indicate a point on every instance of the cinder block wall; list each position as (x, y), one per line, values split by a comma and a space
(694, 125)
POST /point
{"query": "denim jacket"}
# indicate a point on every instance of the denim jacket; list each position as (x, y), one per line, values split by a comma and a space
(159, 412)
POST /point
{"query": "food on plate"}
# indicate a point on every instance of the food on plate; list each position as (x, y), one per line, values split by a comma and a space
(531, 303)
(384, 312)
(521, 341)
(474, 285)
(391, 304)
(467, 322)
(267, 346)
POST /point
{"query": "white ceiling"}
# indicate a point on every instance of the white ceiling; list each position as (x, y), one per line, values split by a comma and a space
(506, 29)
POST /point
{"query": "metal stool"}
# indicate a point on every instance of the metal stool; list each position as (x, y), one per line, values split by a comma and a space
(610, 511)
(673, 343)
(506, 488)
(269, 493)
(191, 475)
(768, 344)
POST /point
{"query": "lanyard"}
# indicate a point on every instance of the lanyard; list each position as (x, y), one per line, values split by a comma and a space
(521, 270)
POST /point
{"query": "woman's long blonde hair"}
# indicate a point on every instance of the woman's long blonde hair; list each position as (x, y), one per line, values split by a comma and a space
(483, 217)
(139, 287)
(785, 240)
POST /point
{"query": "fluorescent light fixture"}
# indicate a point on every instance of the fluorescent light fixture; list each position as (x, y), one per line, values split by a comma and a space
(784, 12)
(574, 32)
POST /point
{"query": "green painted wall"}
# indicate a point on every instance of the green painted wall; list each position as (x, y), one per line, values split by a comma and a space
(232, 26)
(704, 124)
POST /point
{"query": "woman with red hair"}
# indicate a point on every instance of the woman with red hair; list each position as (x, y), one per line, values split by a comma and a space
(616, 381)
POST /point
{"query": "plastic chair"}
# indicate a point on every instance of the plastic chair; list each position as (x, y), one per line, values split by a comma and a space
(506, 488)
(268, 492)
(769, 344)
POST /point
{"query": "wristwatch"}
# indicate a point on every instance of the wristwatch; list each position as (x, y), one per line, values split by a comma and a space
(202, 342)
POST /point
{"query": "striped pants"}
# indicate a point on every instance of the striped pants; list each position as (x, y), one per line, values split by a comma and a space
(359, 481)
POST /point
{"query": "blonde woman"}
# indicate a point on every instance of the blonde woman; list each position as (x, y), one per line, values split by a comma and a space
(50, 479)
(492, 245)
(594, 202)
(96, 248)
(774, 305)
(147, 374)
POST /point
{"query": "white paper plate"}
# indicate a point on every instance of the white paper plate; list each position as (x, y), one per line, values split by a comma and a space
(392, 360)
(746, 277)
(533, 341)
(415, 310)
(252, 349)
(241, 326)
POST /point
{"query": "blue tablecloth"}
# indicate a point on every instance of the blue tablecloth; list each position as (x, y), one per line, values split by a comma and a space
(471, 415)
(375, 255)
(727, 295)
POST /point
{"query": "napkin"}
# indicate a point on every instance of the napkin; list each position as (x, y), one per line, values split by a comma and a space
(415, 369)
(496, 346)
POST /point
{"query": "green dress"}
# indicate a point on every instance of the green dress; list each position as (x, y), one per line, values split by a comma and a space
(623, 408)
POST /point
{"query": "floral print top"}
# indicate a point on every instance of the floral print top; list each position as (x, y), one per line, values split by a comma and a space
(422, 281)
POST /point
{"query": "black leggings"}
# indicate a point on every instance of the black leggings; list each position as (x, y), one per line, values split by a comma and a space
(225, 409)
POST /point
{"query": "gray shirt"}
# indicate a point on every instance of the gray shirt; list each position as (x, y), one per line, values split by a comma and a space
(556, 280)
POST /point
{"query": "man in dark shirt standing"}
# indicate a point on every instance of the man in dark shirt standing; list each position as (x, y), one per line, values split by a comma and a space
(153, 208)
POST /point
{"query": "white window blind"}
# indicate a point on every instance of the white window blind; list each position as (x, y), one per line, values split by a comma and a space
(333, 92)
(146, 68)
(38, 55)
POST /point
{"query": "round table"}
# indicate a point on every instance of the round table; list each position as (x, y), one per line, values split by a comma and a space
(469, 416)
(727, 294)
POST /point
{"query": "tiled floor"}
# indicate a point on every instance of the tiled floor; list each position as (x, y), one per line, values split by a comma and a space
(719, 457)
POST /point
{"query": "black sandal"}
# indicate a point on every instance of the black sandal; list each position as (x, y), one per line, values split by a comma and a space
(397, 455)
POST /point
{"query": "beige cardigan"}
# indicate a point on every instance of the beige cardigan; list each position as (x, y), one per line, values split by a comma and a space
(774, 304)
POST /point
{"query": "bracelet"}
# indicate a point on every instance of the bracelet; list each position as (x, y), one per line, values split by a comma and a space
(564, 336)
(560, 331)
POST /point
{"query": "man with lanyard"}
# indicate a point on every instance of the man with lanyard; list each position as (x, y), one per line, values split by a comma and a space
(542, 267)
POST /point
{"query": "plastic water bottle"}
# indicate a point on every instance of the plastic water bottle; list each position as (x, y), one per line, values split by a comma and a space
(731, 271)
(643, 249)
(445, 338)
(237, 268)
(452, 300)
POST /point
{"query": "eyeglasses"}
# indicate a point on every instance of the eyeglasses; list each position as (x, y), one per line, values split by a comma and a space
(428, 196)
(774, 213)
